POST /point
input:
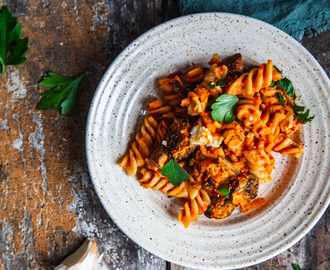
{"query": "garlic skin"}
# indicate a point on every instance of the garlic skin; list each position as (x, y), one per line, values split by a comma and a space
(84, 258)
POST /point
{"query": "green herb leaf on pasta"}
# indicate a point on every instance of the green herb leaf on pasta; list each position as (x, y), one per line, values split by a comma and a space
(224, 108)
(174, 172)
(302, 116)
(218, 83)
(12, 47)
(278, 70)
(272, 84)
(296, 267)
(224, 189)
(280, 98)
(221, 83)
(286, 85)
(63, 93)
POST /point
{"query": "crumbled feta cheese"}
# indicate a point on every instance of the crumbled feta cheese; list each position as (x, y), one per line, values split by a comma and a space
(202, 136)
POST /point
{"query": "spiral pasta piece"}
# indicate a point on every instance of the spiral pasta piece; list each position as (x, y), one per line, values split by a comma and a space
(145, 141)
(196, 101)
(156, 181)
(188, 213)
(260, 164)
(252, 82)
(248, 111)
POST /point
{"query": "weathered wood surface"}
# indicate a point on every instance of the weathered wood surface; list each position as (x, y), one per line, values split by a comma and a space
(48, 203)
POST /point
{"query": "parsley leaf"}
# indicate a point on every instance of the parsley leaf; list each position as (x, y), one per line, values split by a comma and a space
(221, 83)
(286, 85)
(224, 189)
(205, 69)
(263, 96)
(280, 98)
(301, 115)
(212, 85)
(223, 108)
(12, 47)
(278, 70)
(218, 83)
(175, 173)
(63, 93)
(272, 84)
(296, 267)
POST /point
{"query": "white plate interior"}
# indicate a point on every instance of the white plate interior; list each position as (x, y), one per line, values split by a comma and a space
(299, 192)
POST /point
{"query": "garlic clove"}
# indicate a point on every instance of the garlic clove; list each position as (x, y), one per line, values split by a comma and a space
(84, 258)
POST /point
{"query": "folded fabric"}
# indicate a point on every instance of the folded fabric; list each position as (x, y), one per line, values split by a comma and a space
(294, 17)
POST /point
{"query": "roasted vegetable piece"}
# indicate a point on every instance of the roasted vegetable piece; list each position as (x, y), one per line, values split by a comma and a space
(245, 189)
(235, 63)
(220, 211)
(176, 144)
(159, 156)
(180, 88)
(177, 139)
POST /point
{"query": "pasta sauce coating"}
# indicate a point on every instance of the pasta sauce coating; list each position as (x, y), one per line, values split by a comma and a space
(226, 162)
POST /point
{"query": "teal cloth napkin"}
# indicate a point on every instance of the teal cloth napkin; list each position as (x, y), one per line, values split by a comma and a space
(294, 17)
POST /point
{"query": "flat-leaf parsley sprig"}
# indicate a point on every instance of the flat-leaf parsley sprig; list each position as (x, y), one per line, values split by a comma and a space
(12, 47)
(286, 85)
(296, 267)
(302, 116)
(63, 93)
(174, 172)
(224, 108)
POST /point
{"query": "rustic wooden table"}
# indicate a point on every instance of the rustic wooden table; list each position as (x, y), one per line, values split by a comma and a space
(48, 203)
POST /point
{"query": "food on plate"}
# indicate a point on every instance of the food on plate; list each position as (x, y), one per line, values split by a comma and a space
(209, 141)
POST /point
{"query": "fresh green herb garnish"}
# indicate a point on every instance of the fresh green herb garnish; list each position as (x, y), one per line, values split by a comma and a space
(63, 93)
(205, 69)
(175, 173)
(296, 267)
(263, 96)
(224, 108)
(12, 47)
(286, 85)
(221, 83)
(280, 98)
(169, 196)
(297, 108)
(278, 70)
(212, 85)
(272, 84)
(218, 83)
(224, 189)
(301, 115)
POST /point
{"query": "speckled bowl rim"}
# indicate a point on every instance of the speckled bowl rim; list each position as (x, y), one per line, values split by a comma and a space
(303, 230)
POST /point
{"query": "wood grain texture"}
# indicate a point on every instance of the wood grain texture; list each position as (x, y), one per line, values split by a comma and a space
(48, 203)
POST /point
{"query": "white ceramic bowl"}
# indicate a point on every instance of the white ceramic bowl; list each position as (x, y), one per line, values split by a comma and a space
(299, 192)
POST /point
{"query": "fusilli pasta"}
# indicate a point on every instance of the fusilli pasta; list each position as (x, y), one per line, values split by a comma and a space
(226, 160)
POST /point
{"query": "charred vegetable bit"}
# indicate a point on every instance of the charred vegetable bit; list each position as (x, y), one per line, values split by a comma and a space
(180, 88)
(208, 184)
(245, 189)
(235, 63)
(159, 156)
(176, 144)
(224, 210)
(209, 212)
